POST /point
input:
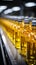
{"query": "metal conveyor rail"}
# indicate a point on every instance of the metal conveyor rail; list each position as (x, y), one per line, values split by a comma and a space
(15, 58)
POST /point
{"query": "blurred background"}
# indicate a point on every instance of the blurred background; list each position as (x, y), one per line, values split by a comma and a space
(26, 8)
(18, 32)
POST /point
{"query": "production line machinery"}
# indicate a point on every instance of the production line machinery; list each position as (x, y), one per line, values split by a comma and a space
(7, 56)
(23, 37)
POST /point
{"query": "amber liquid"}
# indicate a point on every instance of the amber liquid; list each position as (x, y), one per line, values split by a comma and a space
(24, 46)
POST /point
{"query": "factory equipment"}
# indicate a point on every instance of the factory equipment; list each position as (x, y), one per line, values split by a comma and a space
(23, 37)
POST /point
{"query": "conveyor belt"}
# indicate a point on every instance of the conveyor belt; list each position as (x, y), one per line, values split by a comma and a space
(13, 62)
(4, 58)
(1, 58)
(14, 57)
(2, 51)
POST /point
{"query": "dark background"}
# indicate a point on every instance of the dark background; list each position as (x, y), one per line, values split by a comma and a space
(26, 11)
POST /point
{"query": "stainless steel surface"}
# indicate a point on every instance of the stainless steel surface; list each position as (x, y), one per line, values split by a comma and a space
(11, 50)
(6, 43)
(4, 60)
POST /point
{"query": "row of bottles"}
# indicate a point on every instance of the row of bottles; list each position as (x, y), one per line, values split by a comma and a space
(22, 36)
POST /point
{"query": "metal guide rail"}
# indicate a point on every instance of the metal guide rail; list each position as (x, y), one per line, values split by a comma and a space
(5, 56)
(2, 56)
(9, 53)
